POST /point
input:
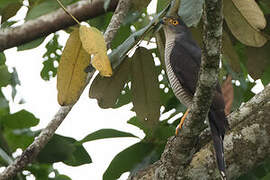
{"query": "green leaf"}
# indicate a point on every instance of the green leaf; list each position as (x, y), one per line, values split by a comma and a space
(266, 77)
(191, 11)
(258, 61)
(134, 121)
(40, 171)
(30, 45)
(105, 133)
(78, 157)
(45, 7)
(5, 3)
(2, 58)
(101, 22)
(127, 159)
(61, 177)
(65, 149)
(145, 87)
(122, 34)
(10, 10)
(19, 120)
(107, 89)
(229, 53)
(161, 4)
(5, 76)
(4, 106)
(19, 138)
(51, 57)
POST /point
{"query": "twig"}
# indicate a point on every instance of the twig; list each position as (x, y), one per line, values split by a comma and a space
(32, 151)
(63, 7)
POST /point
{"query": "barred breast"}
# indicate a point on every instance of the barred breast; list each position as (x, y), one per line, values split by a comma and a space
(176, 86)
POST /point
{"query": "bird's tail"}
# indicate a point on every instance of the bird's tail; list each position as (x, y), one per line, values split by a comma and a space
(218, 125)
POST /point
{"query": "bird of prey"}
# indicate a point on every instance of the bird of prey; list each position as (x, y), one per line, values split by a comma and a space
(182, 60)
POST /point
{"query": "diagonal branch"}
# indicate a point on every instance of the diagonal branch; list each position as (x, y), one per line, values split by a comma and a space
(32, 151)
(52, 22)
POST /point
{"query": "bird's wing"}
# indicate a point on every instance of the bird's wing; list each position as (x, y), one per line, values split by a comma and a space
(185, 65)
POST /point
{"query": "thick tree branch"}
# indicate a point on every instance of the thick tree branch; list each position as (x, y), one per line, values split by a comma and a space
(249, 137)
(49, 23)
(178, 151)
(32, 151)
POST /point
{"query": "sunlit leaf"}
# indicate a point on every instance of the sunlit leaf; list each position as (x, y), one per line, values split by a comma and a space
(105, 133)
(71, 78)
(241, 21)
(19, 120)
(93, 42)
(145, 87)
(107, 89)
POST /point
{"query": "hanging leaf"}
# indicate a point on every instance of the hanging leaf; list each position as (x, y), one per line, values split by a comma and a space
(145, 87)
(241, 21)
(71, 78)
(251, 12)
(107, 89)
(93, 42)
(229, 52)
(191, 11)
(258, 60)
(105, 133)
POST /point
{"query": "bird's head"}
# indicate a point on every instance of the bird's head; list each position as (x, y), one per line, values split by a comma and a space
(173, 26)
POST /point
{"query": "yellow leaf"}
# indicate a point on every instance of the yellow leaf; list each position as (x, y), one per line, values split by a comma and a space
(93, 42)
(71, 78)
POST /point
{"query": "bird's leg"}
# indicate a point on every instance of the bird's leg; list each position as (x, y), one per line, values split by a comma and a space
(181, 122)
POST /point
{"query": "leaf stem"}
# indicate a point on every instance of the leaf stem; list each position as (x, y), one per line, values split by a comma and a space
(66, 11)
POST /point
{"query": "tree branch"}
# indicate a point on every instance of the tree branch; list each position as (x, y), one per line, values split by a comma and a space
(179, 151)
(52, 22)
(249, 137)
(32, 151)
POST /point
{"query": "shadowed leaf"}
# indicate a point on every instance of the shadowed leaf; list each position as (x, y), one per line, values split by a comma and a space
(107, 89)
(240, 20)
(145, 87)
(191, 11)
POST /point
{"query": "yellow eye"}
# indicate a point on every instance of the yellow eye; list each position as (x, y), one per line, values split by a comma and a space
(174, 22)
